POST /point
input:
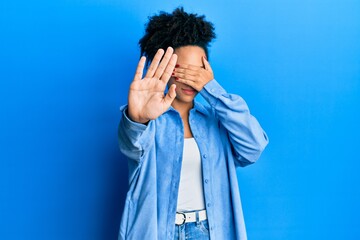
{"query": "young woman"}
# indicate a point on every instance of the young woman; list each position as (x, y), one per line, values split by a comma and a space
(182, 155)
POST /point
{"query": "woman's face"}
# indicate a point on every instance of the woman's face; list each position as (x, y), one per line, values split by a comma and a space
(190, 55)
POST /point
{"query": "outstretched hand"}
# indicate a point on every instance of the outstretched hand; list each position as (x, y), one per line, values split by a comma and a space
(147, 100)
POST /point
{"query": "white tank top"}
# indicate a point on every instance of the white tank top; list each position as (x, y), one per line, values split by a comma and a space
(191, 193)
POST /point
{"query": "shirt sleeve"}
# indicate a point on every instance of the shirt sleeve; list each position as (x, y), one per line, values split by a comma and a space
(247, 137)
(134, 138)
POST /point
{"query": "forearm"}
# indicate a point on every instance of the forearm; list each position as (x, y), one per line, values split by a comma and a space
(246, 135)
(134, 138)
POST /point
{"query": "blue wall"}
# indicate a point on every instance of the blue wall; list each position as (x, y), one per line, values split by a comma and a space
(65, 67)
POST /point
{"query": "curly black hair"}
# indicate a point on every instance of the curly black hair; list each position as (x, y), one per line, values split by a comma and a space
(176, 29)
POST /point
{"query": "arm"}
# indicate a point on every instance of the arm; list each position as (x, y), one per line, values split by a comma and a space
(247, 137)
(134, 138)
(146, 102)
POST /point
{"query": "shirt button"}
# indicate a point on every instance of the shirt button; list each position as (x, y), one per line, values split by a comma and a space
(192, 121)
(206, 180)
(208, 204)
(195, 136)
(204, 156)
(212, 90)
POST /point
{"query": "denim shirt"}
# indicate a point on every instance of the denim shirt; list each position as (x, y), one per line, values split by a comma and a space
(227, 135)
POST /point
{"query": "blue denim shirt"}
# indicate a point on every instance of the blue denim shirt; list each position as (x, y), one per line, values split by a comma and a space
(227, 136)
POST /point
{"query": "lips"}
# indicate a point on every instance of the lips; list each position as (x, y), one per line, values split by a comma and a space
(188, 91)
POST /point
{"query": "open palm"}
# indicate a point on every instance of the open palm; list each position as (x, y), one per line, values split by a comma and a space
(147, 100)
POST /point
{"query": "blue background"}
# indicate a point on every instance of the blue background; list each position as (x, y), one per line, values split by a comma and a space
(65, 68)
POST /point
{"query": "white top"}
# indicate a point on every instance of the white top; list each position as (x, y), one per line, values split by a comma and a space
(191, 193)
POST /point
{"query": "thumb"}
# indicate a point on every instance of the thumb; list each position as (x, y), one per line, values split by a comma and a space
(206, 64)
(171, 94)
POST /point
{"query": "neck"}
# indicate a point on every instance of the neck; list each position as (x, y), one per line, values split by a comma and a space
(182, 107)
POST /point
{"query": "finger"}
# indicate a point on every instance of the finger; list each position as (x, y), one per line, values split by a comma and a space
(188, 82)
(186, 71)
(170, 96)
(188, 66)
(154, 63)
(169, 69)
(206, 64)
(164, 62)
(185, 76)
(140, 69)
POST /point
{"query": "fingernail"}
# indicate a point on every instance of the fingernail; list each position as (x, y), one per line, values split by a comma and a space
(205, 57)
(173, 74)
(177, 65)
(176, 78)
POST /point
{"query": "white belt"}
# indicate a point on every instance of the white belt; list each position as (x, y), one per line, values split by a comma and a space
(182, 218)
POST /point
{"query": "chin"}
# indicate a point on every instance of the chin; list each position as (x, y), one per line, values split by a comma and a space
(186, 99)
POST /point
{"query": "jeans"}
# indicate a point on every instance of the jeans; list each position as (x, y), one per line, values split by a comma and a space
(192, 231)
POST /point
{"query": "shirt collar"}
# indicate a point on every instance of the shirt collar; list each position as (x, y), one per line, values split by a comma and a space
(197, 107)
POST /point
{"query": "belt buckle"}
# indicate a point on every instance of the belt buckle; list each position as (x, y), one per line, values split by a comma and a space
(184, 218)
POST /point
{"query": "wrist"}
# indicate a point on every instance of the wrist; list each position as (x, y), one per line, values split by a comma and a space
(136, 119)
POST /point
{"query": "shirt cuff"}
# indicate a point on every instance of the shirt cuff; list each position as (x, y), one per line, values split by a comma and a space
(212, 91)
(130, 124)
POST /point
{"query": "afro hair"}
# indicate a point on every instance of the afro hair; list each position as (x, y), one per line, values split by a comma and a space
(177, 29)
